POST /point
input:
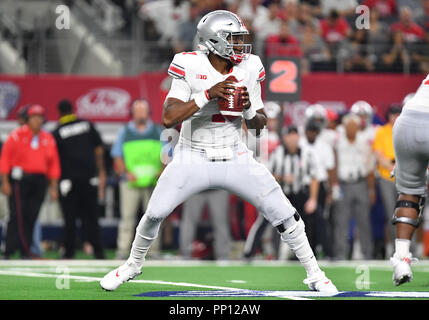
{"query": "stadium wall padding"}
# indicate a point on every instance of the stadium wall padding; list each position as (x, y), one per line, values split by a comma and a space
(109, 98)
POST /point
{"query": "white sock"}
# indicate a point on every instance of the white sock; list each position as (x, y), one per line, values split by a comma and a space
(297, 241)
(402, 248)
(146, 233)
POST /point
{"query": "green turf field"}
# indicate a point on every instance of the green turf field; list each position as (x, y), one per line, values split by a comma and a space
(175, 279)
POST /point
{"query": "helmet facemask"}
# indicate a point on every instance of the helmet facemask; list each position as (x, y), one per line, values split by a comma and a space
(236, 49)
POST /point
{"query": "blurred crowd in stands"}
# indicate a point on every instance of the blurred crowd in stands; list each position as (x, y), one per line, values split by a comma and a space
(326, 34)
(329, 35)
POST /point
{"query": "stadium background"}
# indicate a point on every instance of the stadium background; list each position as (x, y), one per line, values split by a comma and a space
(112, 53)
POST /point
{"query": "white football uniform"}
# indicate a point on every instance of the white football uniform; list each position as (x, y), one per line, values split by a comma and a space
(193, 168)
(192, 73)
(411, 143)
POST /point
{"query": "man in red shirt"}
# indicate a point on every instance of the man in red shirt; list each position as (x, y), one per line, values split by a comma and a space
(283, 43)
(412, 31)
(334, 28)
(28, 161)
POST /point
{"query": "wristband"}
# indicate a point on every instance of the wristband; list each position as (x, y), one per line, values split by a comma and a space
(201, 99)
(249, 114)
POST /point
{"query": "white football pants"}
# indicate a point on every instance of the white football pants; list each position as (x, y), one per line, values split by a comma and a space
(191, 172)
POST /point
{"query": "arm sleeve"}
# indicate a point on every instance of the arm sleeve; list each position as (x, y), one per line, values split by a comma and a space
(257, 68)
(180, 88)
(255, 97)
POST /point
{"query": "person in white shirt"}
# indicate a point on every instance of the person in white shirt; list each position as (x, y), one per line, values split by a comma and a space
(355, 171)
(344, 7)
(325, 158)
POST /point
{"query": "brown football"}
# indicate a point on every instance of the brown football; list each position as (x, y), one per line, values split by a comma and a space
(233, 107)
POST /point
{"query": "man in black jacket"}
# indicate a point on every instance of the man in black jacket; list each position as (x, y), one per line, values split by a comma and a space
(81, 155)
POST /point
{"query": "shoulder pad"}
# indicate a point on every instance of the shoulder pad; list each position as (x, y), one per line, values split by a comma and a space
(178, 66)
(254, 65)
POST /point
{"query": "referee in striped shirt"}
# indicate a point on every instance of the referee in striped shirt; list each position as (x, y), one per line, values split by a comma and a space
(295, 168)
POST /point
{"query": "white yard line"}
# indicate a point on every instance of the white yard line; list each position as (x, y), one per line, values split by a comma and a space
(96, 279)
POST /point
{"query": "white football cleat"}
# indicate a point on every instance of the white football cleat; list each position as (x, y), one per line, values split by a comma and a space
(402, 269)
(319, 282)
(118, 276)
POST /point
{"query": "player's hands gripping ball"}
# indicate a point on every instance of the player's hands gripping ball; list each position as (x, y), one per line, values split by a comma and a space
(232, 97)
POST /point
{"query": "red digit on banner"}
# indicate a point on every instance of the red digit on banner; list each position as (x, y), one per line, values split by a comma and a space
(285, 81)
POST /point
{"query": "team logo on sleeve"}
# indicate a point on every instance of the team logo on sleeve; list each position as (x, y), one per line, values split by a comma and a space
(176, 71)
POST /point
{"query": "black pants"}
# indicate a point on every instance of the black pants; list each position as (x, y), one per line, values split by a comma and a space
(81, 201)
(324, 230)
(24, 205)
(298, 200)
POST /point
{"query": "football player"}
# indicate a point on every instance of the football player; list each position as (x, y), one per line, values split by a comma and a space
(210, 153)
(364, 110)
(411, 145)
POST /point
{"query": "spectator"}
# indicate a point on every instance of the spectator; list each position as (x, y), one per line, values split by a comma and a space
(356, 178)
(166, 16)
(266, 25)
(136, 155)
(377, 43)
(421, 55)
(217, 201)
(316, 55)
(334, 30)
(355, 53)
(383, 148)
(412, 31)
(422, 16)
(29, 160)
(283, 43)
(83, 178)
(415, 5)
(290, 15)
(305, 17)
(254, 11)
(386, 8)
(188, 29)
(316, 9)
(396, 59)
(343, 7)
(161, 22)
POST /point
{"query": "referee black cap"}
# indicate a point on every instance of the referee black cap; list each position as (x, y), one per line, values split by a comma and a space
(313, 126)
(289, 129)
